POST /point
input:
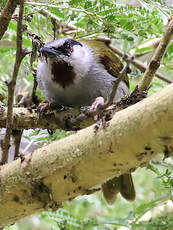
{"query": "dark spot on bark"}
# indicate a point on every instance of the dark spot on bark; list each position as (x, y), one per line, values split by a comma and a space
(41, 192)
(120, 164)
(132, 169)
(16, 198)
(79, 187)
(143, 164)
(30, 110)
(63, 74)
(147, 148)
(68, 194)
(140, 156)
(74, 191)
(152, 152)
(110, 148)
(166, 139)
(168, 150)
(114, 164)
(154, 64)
(65, 177)
(73, 179)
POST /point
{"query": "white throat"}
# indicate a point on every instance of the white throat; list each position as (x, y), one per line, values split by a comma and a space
(81, 59)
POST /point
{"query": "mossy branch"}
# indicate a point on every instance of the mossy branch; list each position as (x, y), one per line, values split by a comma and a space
(64, 169)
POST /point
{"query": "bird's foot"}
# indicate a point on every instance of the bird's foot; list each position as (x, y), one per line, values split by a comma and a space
(43, 107)
(97, 111)
(97, 105)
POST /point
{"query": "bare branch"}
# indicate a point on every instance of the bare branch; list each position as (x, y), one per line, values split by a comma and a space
(68, 27)
(142, 67)
(68, 119)
(23, 118)
(64, 169)
(6, 15)
(7, 43)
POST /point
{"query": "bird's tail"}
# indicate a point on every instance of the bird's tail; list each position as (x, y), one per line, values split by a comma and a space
(123, 184)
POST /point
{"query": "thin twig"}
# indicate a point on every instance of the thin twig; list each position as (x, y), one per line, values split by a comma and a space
(157, 57)
(138, 64)
(66, 8)
(118, 80)
(17, 135)
(67, 26)
(20, 54)
(35, 99)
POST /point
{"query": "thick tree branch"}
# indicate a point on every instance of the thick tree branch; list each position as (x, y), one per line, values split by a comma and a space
(6, 15)
(64, 169)
(23, 118)
(68, 119)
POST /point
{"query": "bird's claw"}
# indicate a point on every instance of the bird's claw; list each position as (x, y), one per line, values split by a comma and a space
(43, 107)
(97, 105)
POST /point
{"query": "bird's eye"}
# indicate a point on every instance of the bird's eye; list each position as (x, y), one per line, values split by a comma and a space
(68, 47)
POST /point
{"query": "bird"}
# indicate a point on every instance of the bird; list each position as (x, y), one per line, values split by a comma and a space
(78, 73)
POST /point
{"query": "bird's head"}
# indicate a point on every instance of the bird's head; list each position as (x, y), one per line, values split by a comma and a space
(60, 48)
(73, 53)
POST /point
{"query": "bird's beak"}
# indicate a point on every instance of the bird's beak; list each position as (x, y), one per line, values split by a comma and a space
(49, 52)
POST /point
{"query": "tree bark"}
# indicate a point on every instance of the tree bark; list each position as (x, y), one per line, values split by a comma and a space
(30, 119)
(6, 15)
(64, 169)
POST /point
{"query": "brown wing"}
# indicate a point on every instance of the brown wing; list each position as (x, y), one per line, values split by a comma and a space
(107, 57)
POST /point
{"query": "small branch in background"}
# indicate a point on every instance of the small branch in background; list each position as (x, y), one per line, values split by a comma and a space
(36, 45)
(17, 135)
(155, 61)
(67, 27)
(138, 64)
(20, 54)
(7, 43)
(54, 24)
(2, 97)
(120, 78)
(6, 15)
(34, 97)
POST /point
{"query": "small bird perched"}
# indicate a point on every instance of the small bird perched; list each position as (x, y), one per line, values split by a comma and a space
(82, 73)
